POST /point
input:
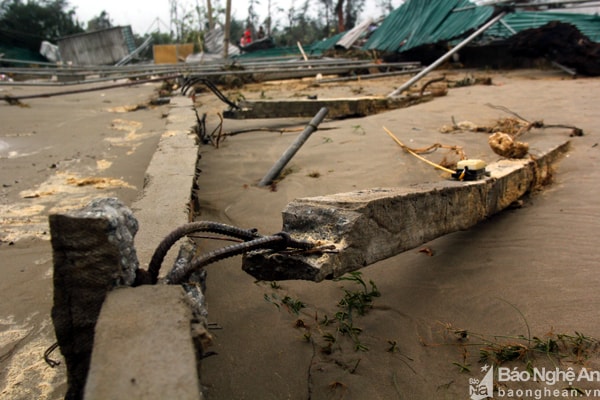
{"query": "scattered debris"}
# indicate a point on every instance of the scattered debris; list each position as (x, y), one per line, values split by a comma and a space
(507, 146)
(513, 126)
(426, 251)
(471, 80)
(458, 149)
(98, 182)
(561, 43)
(438, 91)
(505, 132)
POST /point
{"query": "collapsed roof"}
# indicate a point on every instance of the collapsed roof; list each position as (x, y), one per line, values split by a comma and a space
(425, 22)
(419, 22)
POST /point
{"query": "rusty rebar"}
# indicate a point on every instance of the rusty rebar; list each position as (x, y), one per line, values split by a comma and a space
(281, 240)
(184, 230)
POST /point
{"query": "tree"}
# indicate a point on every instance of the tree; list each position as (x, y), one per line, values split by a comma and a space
(102, 21)
(339, 11)
(28, 24)
(301, 27)
(347, 17)
(329, 12)
(188, 22)
(269, 20)
(385, 6)
(252, 17)
(353, 8)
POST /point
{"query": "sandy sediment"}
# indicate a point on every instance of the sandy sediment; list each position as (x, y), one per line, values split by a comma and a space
(528, 271)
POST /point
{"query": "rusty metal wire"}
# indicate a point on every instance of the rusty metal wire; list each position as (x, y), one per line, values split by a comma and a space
(278, 241)
(251, 241)
(190, 82)
(52, 363)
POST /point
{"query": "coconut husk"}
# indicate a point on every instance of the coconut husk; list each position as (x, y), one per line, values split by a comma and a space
(505, 145)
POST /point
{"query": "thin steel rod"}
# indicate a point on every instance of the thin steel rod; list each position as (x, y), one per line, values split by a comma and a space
(92, 89)
(293, 149)
(286, 69)
(446, 56)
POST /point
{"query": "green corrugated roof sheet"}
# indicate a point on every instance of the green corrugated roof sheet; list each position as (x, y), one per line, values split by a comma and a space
(273, 52)
(321, 46)
(20, 53)
(315, 48)
(418, 22)
(589, 25)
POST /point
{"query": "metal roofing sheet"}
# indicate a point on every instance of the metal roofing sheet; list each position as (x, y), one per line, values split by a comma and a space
(418, 22)
(326, 44)
(589, 25)
(354, 34)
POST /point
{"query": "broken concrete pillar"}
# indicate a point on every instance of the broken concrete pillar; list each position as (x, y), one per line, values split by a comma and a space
(363, 227)
(93, 253)
(144, 348)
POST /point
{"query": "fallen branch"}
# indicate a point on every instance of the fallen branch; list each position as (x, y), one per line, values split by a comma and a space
(538, 124)
(412, 152)
(220, 130)
(429, 83)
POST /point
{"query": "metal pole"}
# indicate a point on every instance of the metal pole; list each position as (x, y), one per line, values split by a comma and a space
(91, 89)
(449, 54)
(291, 151)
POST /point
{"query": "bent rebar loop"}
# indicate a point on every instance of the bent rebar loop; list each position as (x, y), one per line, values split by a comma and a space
(251, 241)
(184, 230)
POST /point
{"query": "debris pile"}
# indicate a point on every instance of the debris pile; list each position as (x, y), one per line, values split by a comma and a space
(506, 131)
(561, 43)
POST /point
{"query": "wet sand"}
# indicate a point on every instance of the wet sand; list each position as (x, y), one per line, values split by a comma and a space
(525, 271)
(530, 270)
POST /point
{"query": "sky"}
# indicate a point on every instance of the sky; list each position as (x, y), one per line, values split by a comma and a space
(142, 14)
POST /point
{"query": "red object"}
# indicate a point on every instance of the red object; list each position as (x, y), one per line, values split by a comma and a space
(247, 38)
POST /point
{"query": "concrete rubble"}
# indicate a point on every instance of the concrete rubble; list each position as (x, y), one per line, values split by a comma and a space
(157, 332)
(93, 253)
(363, 227)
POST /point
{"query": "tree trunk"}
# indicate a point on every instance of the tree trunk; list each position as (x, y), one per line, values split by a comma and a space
(209, 11)
(227, 29)
(339, 10)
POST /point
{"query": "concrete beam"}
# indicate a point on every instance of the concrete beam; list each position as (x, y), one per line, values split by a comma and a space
(167, 200)
(143, 348)
(338, 108)
(367, 226)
